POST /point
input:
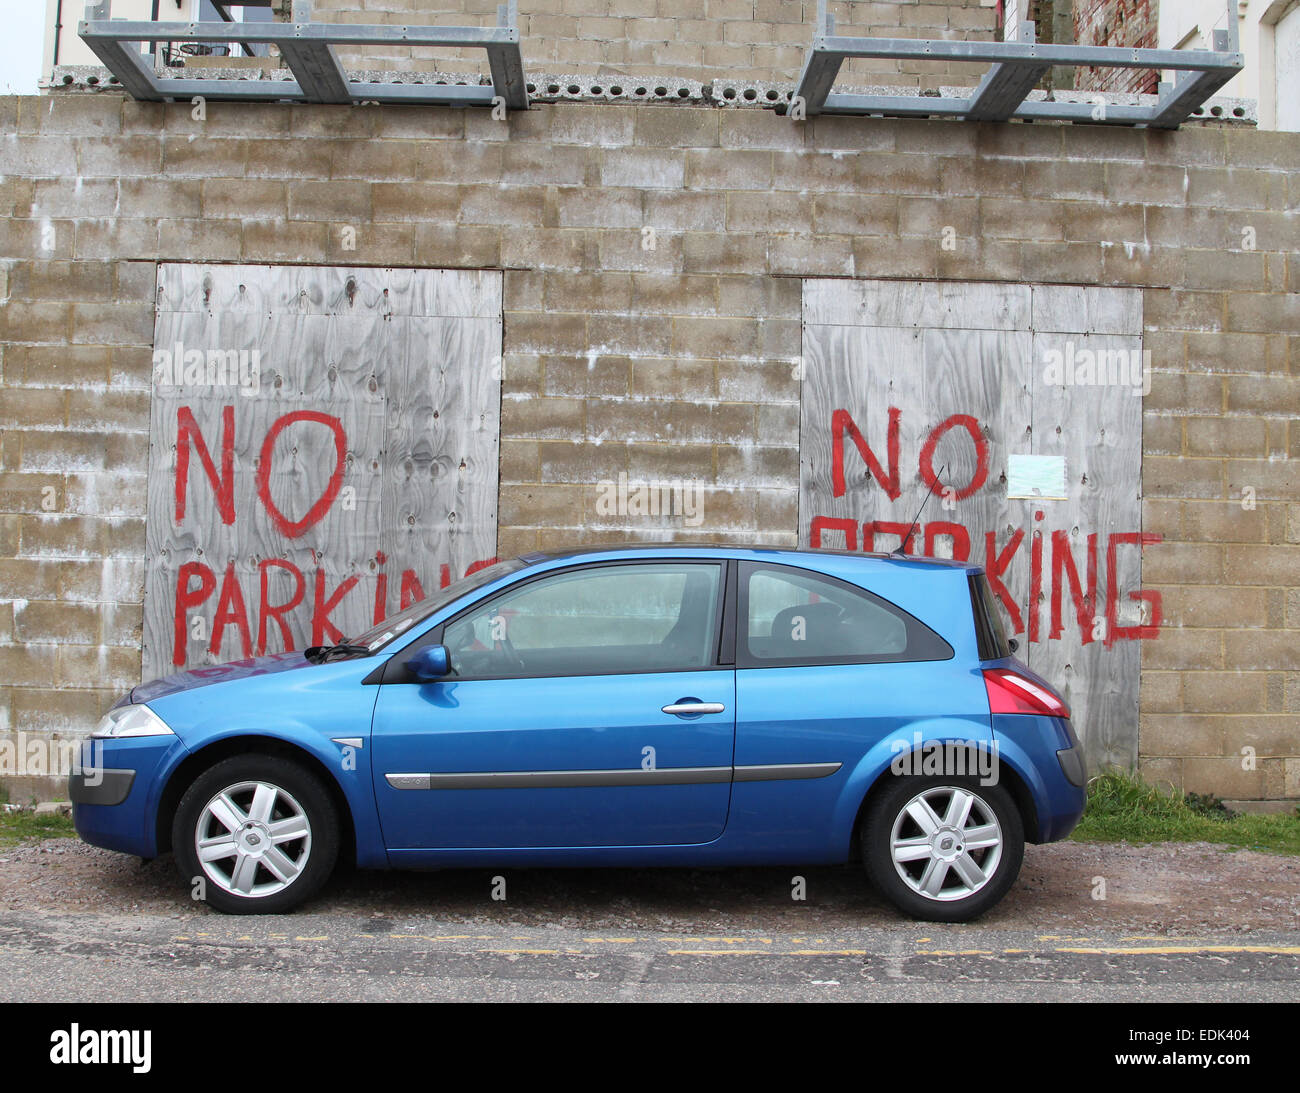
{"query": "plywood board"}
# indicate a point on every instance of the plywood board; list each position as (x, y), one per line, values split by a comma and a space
(379, 392)
(963, 372)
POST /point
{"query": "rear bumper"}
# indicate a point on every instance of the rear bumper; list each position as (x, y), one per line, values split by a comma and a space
(1049, 759)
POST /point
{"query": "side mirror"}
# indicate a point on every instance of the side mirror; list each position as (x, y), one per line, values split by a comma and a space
(430, 663)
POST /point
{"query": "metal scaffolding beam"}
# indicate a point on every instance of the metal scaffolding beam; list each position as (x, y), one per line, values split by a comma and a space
(1016, 67)
(307, 49)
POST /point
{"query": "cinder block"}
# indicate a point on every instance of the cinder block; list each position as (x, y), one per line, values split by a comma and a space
(1261, 650)
(340, 201)
(1225, 436)
(1271, 479)
(808, 255)
(579, 207)
(681, 127)
(1002, 218)
(1222, 777)
(685, 210)
(1183, 650)
(1226, 692)
(712, 252)
(727, 170)
(1266, 312)
(674, 378)
(772, 212)
(587, 293)
(595, 375)
(244, 199)
(423, 201)
(855, 214)
(548, 248)
(1181, 734)
(457, 246)
(1178, 477)
(630, 334)
(1277, 566)
(285, 241)
(649, 168)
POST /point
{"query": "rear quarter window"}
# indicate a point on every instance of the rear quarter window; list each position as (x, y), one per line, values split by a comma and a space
(796, 616)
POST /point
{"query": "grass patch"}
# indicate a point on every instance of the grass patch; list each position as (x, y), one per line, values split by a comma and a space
(1123, 807)
(18, 827)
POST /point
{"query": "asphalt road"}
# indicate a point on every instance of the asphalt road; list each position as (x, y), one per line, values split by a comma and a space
(82, 925)
(320, 957)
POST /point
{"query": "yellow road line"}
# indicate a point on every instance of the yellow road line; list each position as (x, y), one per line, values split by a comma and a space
(1174, 950)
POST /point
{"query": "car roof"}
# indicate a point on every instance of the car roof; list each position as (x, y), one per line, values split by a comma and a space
(789, 555)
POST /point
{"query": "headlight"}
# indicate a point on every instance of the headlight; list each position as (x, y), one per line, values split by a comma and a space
(131, 721)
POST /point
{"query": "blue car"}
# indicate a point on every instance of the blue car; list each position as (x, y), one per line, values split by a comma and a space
(641, 706)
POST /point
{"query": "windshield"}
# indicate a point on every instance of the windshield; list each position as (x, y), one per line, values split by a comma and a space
(396, 625)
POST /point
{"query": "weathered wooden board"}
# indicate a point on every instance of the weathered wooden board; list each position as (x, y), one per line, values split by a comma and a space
(328, 290)
(1092, 426)
(362, 466)
(962, 371)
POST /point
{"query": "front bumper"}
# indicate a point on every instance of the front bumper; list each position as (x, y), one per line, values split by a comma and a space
(116, 790)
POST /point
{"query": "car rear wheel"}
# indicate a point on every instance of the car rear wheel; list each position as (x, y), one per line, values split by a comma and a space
(942, 848)
(255, 834)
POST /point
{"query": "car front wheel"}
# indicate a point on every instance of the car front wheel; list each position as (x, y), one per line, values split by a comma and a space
(943, 848)
(255, 834)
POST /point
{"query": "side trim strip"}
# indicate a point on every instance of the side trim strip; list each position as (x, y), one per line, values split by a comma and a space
(780, 772)
(562, 779)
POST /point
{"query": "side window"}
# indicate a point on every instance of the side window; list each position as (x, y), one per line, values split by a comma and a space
(599, 621)
(792, 616)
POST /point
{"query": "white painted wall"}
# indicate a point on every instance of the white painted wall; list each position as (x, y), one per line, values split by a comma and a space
(72, 50)
(1269, 41)
(1286, 40)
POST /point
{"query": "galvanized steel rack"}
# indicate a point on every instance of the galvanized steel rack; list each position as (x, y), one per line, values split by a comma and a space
(1016, 66)
(307, 49)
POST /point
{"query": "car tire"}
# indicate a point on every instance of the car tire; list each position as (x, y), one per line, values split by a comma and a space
(276, 820)
(939, 877)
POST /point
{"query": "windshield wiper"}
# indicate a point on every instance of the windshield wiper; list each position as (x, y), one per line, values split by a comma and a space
(318, 654)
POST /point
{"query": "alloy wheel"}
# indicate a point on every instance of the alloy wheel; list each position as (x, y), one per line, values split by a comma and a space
(253, 839)
(946, 843)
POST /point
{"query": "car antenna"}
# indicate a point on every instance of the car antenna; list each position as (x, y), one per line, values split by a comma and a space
(900, 550)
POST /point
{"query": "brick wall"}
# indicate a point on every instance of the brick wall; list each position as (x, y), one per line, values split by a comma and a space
(1127, 23)
(666, 362)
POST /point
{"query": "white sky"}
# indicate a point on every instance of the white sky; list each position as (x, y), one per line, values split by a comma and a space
(22, 42)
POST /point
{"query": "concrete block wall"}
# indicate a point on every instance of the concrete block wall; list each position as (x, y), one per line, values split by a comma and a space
(665, 361)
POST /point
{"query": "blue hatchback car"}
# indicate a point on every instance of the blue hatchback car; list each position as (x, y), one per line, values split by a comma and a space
(641, 706)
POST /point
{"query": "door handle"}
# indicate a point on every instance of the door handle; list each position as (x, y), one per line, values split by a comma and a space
(688, 708)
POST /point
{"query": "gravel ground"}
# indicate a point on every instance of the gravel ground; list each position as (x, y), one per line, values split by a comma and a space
(1161, 889)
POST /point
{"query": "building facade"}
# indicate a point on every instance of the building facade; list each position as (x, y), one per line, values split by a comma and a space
(428, 336)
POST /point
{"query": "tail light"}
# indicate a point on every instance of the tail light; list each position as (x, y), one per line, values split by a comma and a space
(1011, 692)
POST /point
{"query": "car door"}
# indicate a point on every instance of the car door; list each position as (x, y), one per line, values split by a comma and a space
(586, 707)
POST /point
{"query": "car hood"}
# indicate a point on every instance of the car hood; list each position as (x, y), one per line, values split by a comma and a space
(217, 673)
